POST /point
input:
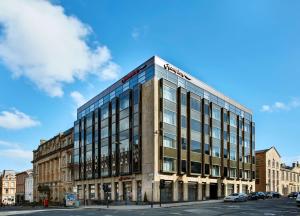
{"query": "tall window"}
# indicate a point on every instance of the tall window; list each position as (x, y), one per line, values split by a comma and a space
(169, 140)
(169, 93)
(232, 154)
(215, 170)
(216, 113)
(216, 133)
(104, 112)
(124, 102)
(168, 164)
(232, 172)
(232, 120)
(216, 150)
(169, 117)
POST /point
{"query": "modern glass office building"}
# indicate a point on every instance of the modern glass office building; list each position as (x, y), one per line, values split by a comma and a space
(160, 123)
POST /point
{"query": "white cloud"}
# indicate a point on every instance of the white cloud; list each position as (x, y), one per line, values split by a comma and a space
(136, 33)
(265, 108)
(278, 106)
(16, 153)
(9, 144)
(40, 42)
(109, 72)
(15, 119)
(78, 98)
(13, 156)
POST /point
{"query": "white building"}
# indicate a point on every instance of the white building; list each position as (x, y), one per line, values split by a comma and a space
(29, 187)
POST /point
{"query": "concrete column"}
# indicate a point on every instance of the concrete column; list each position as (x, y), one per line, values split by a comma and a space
(101, 191)
(225, 189)
(121, 191)
(175, 191)
(207, 191)
(185, 191)
(156, 192)
(96, 191)
(113, 190)
(241, 188)
(200, 196)
(235, 188)
(134, 190)
(219, 192)
(87, 192)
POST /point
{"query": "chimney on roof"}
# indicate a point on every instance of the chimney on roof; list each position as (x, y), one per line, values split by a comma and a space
(42, 141)
(294, 165)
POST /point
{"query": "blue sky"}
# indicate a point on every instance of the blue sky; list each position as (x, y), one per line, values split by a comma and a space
(56, 55)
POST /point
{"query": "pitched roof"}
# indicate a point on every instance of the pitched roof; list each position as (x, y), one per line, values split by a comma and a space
(266, 150)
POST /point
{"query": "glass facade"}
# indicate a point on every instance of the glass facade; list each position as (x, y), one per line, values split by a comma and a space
(200, 133)
(108, 140)
(200, 137)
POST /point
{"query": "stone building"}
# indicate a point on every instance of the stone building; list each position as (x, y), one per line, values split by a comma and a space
(52, 168)
(273, 175)
(20, 187)
(290, 178)
(29, 186)
(8, 187)
(160, 124)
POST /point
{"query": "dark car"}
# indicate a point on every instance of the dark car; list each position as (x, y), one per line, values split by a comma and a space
(276, 195)
(293, 195)
(261, 195)
(269, 195)
(253, 196)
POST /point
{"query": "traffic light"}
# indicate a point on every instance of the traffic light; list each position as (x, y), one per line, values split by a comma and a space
(162, 184)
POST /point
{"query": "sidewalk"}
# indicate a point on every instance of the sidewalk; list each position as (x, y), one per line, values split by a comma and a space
(137, 207)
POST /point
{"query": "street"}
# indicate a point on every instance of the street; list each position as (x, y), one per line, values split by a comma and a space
(283, 206)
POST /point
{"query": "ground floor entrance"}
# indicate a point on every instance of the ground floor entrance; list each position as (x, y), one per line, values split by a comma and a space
(126, 190)
(213, 188)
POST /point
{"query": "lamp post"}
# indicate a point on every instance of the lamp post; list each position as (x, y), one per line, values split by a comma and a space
(152, 193)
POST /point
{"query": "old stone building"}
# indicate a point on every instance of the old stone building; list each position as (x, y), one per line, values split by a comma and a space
(20, 187)
(8, 187)
(29, 186)
(52, 167)
(290, 178)
(273, 175)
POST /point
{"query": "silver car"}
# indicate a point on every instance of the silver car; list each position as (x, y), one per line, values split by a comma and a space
(236, 197)
(298, 200)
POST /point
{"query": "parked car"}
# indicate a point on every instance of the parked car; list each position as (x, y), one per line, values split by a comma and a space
(261, 195)
(253, 196)
(293, 195)
(298, 200)
(276, 195)
(236, 197)
(269, 195)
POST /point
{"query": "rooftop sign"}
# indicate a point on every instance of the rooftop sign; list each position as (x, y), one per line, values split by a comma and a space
(132, 73)
(176, 71)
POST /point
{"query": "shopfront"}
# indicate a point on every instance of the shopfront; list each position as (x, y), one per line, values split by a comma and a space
(127, 191)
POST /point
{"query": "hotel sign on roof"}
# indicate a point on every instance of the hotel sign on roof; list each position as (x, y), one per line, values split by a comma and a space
(176, 71)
